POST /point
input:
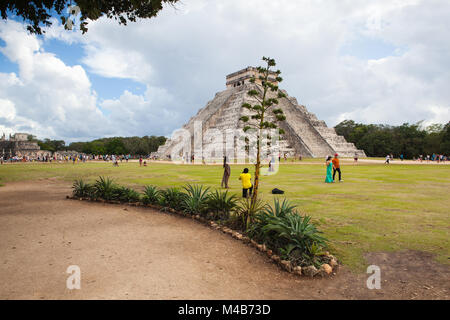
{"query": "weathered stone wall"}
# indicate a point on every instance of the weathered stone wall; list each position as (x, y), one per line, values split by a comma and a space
(19, 148)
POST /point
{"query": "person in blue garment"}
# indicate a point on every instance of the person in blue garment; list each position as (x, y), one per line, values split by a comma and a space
(329, 176)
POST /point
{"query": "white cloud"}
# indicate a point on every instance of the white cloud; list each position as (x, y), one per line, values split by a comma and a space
(7, 110)
(50, 98)
(142, 114)
(190, 53)
(183, 56)
(117, 63)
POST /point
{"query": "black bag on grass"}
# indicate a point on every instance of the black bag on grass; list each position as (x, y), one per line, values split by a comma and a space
(277, 191)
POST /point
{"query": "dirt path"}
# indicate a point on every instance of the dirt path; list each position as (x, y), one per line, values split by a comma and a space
(135, 253)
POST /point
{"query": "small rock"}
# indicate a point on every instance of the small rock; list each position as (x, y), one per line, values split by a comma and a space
(298, 270)
(275, 258)
(260, 247)
(310, 271)
(333, 263)
(269, 252)
(330, 256)
(286, 265)
(326, 269)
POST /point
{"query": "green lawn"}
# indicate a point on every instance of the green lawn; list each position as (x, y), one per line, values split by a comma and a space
(377, 208)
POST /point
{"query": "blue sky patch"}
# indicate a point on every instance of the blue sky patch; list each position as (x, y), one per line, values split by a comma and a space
(366, 48)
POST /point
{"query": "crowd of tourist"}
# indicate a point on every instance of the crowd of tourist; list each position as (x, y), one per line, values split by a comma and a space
(434, 157)
(438, 158)
(69, 158)
(115, 159)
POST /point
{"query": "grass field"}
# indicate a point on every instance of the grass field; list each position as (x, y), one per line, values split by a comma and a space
(377, 208)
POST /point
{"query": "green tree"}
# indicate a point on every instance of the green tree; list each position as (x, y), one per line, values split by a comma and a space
(38, 13)
(115, 146)
(76, 146)
(50, 145)
(445, 140)
(408, 139)
(133, 145)
(260, 118)
(345, 128)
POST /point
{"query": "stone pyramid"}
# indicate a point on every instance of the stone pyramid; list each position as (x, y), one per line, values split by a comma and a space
(304, 136)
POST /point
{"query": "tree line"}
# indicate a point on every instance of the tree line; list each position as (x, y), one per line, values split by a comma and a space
(411, 140)
(116, 145)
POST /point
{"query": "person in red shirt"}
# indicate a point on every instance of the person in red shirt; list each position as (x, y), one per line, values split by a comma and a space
(337, 167)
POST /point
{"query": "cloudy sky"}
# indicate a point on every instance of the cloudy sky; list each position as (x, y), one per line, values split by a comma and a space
(380, 61)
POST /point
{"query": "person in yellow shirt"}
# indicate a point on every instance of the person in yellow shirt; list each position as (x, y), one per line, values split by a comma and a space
(247, 187)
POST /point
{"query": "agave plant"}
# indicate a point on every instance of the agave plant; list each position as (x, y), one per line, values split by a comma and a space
(294, 232)
(269, 216)
(124, 194)
(151, 195)
(82, 189)
(247, 211)
(196, 199)
(280, 209)
(133, 196)
(172, 198)
(220, 204)
(104, 188)
(294, 236)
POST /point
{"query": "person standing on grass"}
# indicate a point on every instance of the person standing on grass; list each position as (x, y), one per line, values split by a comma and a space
(271, 163)
(226, 173)
(329, 177)
(387, 159)
(336, 167)
(247, 187)
(140, 161)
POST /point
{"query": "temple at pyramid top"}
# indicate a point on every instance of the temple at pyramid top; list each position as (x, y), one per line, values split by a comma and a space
(243, 76)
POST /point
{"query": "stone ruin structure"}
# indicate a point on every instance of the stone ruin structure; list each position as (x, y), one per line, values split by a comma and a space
(19, 145)
(305, 135)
